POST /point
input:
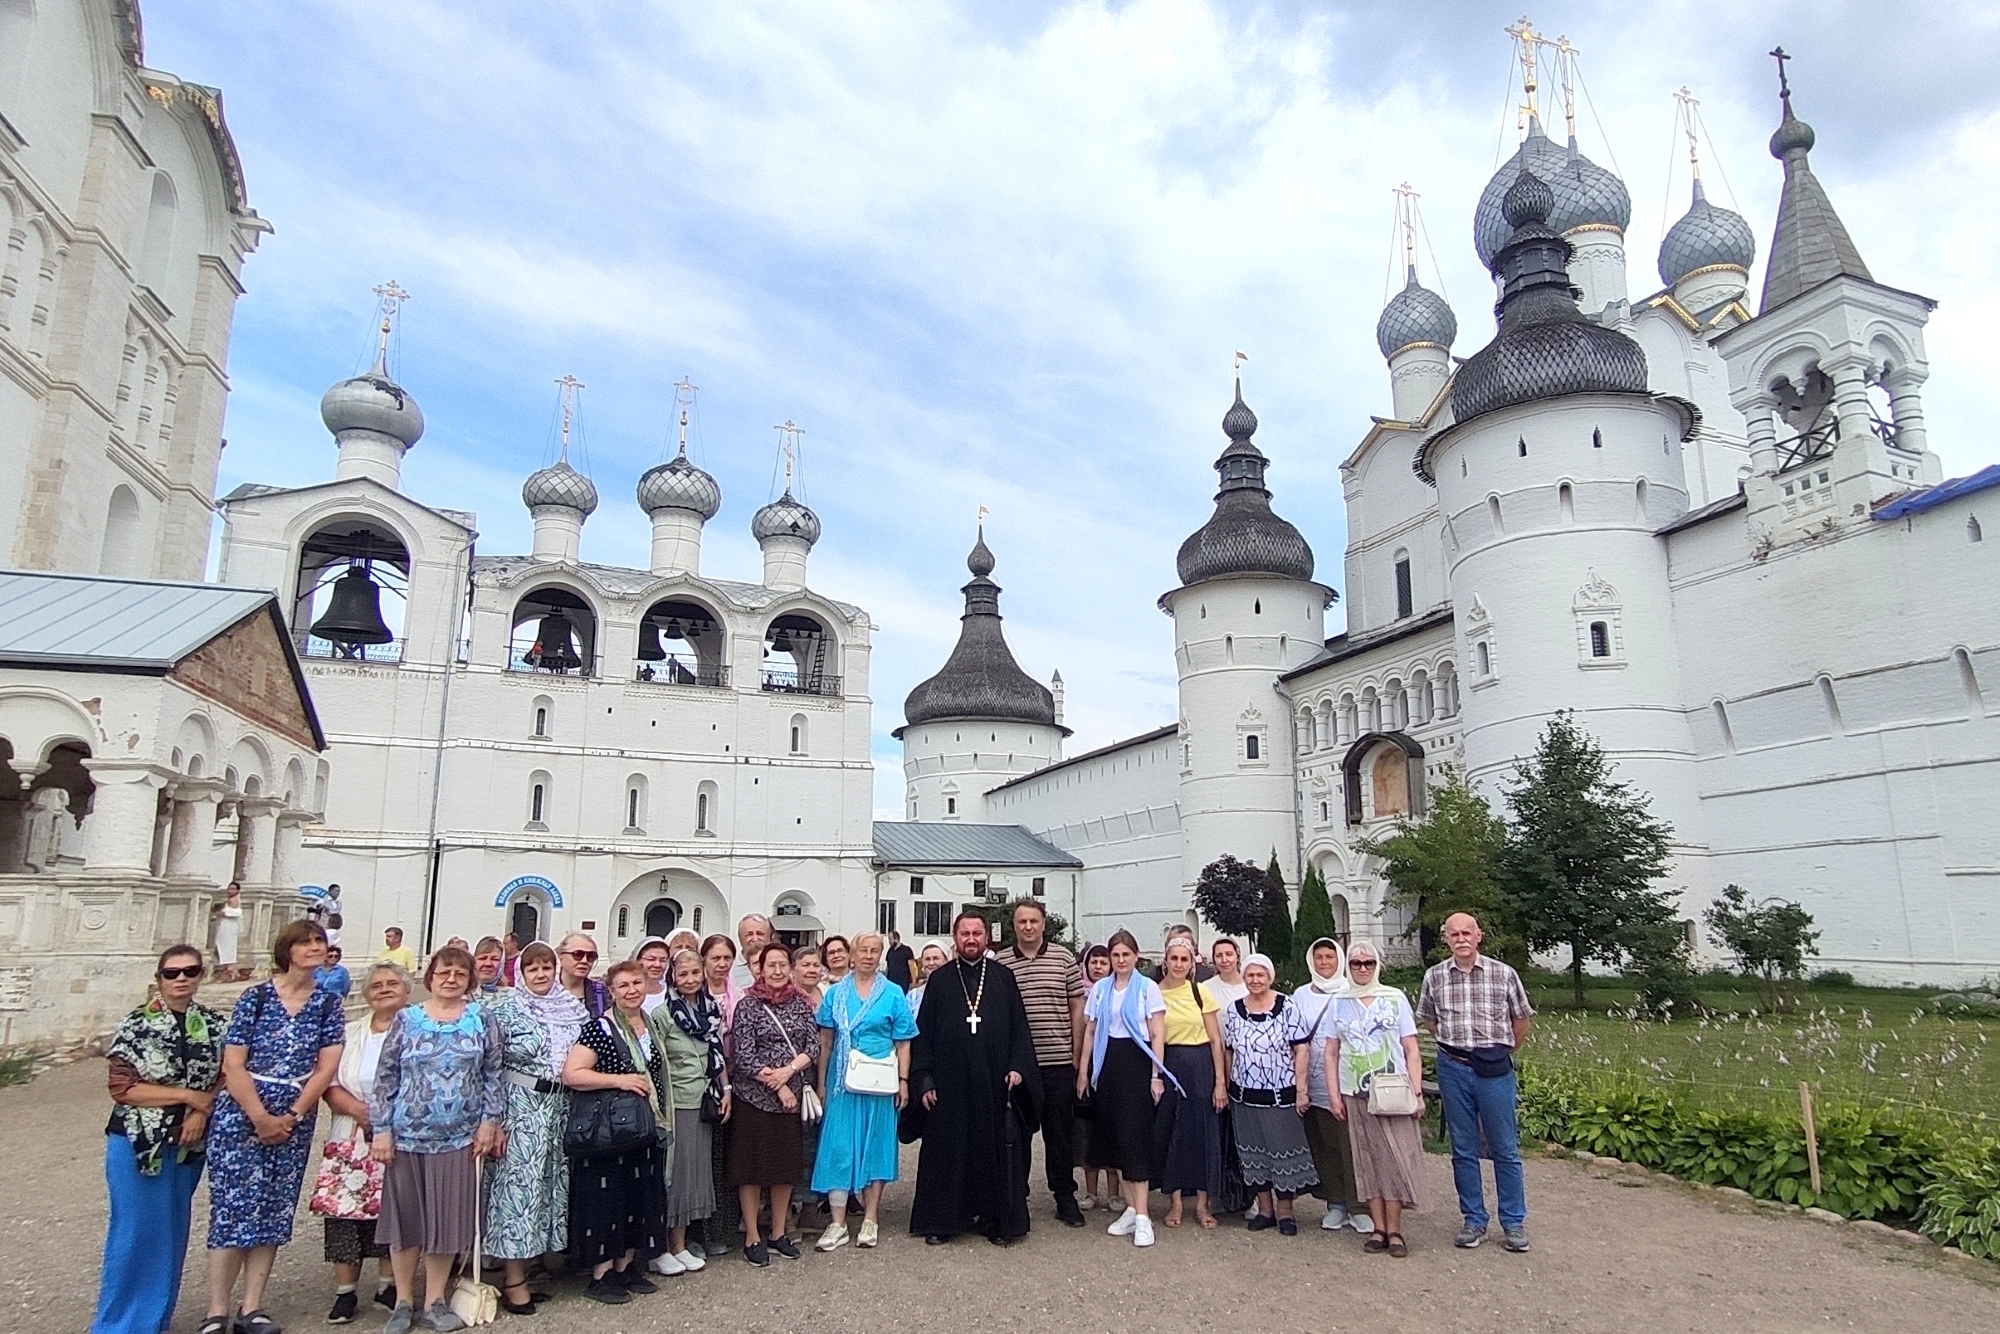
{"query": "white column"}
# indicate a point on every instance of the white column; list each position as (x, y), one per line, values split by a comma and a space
(1906, 405)
(118, 832)
(191, 845)
(285, 849)
(256, 818)
(1761, 425)
(785, 563)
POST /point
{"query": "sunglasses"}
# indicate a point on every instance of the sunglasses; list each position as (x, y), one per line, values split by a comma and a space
(588, 956)
(1360, 963)
(179, 974)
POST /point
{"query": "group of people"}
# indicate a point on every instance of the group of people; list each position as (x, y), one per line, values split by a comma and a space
(703, 1095)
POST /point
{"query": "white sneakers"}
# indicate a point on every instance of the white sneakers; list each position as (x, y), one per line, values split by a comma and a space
(689, 1261)
(868, 1234)
(832, 1239)
(1336, 1218)
(1127, 1221)
(666, 1264)
(1142, 1231)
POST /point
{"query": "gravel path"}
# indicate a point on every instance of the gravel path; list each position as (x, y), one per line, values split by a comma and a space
(1612, 1252)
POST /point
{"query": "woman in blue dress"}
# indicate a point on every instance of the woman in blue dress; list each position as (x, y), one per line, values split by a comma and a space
(282, 1053)
(868, 1013)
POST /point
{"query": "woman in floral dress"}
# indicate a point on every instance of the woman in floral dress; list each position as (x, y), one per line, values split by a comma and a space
(527, 1189)
(281, 1055)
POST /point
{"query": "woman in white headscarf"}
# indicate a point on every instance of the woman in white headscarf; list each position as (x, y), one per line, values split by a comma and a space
(1326, 1134)
(1374, 1034)
(1265, 1038)
(653, 954)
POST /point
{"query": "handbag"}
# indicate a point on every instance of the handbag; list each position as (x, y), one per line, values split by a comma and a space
(474, 1302)
(606, 1122)
(865, 1073)
(1391, 1095)
(810, 1109)
(349, 1181)
(711, 1109)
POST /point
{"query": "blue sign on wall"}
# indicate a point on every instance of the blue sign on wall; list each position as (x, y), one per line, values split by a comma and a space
(521, 882)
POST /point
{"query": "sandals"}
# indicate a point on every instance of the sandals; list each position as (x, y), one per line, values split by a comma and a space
(216, 1324)
(1208, 1222)
(1172, 1219)
(1376, 1244)
(256, 1322)
(1397, 1247)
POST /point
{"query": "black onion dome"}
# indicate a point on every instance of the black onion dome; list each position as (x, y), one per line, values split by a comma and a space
(1415, 315)
(1705, 237)
(981, 680)
(1545, 346)
(1585, 193)
(785, 517)
(679, 485)
(1243, 536)
(560, 485)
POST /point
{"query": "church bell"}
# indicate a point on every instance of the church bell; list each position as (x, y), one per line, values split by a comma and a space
(555, 648)
(354, 612)
(650, 647)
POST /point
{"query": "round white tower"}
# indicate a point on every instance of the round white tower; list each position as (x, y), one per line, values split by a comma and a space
(981, 720)
(1246, 611)
(1554, 479)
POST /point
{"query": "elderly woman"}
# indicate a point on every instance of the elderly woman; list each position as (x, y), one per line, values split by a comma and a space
(1125, 1052)
(689, 1028)
(1375, 1033)
(718, 971)
(1188, 1136)
(278, 1061)
(932, 959)
(435, 1110)
(527, 1188)
(350, 1183)
(770, 1050)
(1326, 1134)
(809, 974)
(166, 1061)
(1265, 1040)
(863, 1013)
(618, 1201)
(578, 955)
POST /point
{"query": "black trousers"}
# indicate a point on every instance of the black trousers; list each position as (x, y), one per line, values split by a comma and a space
(1059, 1127)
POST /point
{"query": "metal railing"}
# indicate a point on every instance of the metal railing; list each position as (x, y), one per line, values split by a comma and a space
(678, 671)
(795, 683)
(517, 663)
(312, 646)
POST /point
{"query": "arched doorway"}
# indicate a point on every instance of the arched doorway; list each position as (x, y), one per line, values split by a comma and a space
(529, 902)
(660, 902)
(663, 915)
(524, 920)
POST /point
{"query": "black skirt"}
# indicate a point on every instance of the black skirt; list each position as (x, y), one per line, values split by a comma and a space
(1187, 1130)
(765, 1148)
(1122, 1136)
(617, 1204)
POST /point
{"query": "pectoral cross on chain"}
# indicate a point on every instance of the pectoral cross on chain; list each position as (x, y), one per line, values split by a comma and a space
(972, 1022)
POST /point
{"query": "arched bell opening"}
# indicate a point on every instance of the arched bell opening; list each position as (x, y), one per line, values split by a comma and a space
(681, 643)
(554, 631)
(801, 656)
(353, 591)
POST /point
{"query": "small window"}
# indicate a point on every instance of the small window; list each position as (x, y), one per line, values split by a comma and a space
(1600, 640)
(535, 799)
(1972, 529)
(541, 722)
(979, 886)
(1257, 607)
(1405, 596)
(1566, 503)
(1522, 444)
(885, 916)
(1596, 438)
(916, 884)
(624, 920)
(1483, 657)
(632, 808)
(795, 738)
(1038, 885)
(701, 812)
(1250, 746)
(931, 918)
(951, 805)
(1325, 812)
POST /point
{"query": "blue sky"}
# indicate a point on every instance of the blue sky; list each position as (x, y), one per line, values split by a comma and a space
(988, 254)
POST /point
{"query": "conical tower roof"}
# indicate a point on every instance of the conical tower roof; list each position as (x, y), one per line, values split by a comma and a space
(1810, 244)
(981, 680)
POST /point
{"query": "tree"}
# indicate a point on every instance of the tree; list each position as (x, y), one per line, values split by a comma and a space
(1229, 896)
(1315, 920)
(1274, 930)
(1448, 862)
(1772, 939)
(1583, 852)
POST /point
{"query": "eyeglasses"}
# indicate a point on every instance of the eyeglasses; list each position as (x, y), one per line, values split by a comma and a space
(178, 974)
(588, 956)
(1360, 963)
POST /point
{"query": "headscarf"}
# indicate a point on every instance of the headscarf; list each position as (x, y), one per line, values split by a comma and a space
(640, 948)
(559, 1015)
(1259, 961)
(1369, 990)
(775, 996)
(1336, 983)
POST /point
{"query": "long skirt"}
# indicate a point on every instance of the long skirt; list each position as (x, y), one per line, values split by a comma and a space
(1388, 1156)
(691, 1197)
(1125, 1111)
(527, 1188)
(430, 1202)
(724, 1227)
(1326, 1136)
(857, 1142)
(1187, 1131)
(349, 1241)
(765, 1148)
(1271, 1142)
(617, 1203)
(145, 1243)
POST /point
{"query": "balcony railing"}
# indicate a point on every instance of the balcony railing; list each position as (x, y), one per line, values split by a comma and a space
(312, 646)
(677, 671)
(793, 683)
(517, 663)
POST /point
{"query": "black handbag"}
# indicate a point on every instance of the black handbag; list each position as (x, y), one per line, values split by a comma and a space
(711, 1109)
(607, 1122)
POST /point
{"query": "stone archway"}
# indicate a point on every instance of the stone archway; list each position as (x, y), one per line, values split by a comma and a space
(671, 895)
(1401, 767)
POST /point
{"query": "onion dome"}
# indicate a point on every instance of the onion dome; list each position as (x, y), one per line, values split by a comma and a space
(1415, 315)
(1585, 193)
(679, 485)
(373, 402)
(785, 517)
(981, 680)
(1810, 244)
(1545, 346)
(1706, 237)
(560, 485)
(1243, 536)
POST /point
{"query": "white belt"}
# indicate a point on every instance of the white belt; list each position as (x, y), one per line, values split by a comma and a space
(531, 1082)
(278, 1079)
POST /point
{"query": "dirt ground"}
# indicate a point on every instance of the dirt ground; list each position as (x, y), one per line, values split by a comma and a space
(1611, 1253)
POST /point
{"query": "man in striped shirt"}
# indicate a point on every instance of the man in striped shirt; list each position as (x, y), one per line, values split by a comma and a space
(1051, 986)
(1478, 1010)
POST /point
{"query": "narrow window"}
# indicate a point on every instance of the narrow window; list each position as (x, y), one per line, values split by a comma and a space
(1832, 703)
(1600, 640)
(951, 805)
(696, 922)
(1229, 648)
(1522, 444)
(701, 812)
(1493, 514)
(632, 808)
(1324, 812)
(1721, 712)
(1405, 596)
(1250, 746)
(1596, 438)
(1972, 530)
(1037, 885)
(1639, 495)
(541, 722)
(979, 886)
(1566, 502)
(624, 919)
(1257, 607)
(1968, 680)
(1483, 658)
(795, 738)
(535, 804)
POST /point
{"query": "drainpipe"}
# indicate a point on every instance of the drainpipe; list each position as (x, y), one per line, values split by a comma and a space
(437, 764)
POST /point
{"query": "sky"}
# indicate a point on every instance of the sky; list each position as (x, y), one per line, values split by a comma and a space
(994, 255)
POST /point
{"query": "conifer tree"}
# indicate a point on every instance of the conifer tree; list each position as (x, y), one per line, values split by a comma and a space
(1315, 920)
(1274, 933)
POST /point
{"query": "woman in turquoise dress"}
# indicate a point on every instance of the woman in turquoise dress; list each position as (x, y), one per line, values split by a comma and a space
(527, 1187)
(863, 1012)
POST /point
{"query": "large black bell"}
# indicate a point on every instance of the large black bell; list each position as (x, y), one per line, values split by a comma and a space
(555, 645)
(650, 647)
(354, 612)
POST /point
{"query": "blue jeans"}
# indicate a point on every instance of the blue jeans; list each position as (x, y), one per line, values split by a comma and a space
(1471, 1106)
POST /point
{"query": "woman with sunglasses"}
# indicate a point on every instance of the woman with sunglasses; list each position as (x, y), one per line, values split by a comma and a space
(166, 1062)
(578, 955)
(1374, 1033)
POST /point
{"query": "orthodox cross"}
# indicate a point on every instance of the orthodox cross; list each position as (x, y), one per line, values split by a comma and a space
(1784, 88)
(684, 397)
(1406, 223)
(1524, 35)
(392, 298)
(1687, 103)
(789, 434)
(570, 385)
(1566, 71)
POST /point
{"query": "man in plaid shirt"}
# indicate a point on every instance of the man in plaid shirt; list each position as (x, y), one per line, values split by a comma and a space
(1478, 1011)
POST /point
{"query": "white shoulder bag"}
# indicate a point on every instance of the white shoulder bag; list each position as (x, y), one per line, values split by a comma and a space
(865, 1073)
(810, 1109)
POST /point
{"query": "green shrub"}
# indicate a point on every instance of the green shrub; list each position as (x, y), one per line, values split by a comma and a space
(1831, 977)
(1961, 1202)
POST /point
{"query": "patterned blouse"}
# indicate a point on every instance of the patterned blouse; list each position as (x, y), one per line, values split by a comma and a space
(1260, 1045)
(437, 1081)
(156, 1046)
(760, 1043)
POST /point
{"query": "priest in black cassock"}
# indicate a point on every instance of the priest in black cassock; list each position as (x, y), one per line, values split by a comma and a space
(973, 1088)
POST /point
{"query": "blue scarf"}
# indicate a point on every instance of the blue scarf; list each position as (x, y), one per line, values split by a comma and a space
(1131, 1009)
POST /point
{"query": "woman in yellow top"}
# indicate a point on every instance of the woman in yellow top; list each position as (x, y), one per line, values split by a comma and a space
(1188, 1132)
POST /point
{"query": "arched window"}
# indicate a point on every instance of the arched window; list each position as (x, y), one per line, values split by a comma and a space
(1721, 714)
(1493, 514)
(798, 736)
(705, 795)
(1639, 494)
(1968, 680)
(635, 804)
(542, 717)
(121, 534)
(1832, 702)
(1483, 657)
(156, 249)
(1566, 503)
(539, 787)
(1405, 595)
(1973, 532)
(1600, 639)
(624, 920)
(352, 590)
(537, 796)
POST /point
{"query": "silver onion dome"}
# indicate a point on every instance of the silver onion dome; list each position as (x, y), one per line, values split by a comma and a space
(679, 485)
(560, 485)
(1585, 193)
(785, 517)
(373, 402)
(1415, 315)
(1705, 237)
